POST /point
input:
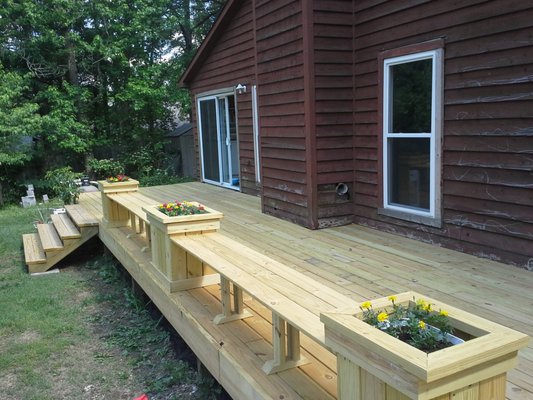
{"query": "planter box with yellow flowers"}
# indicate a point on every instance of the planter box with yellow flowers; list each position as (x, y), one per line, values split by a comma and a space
(175, 268)
(372, 364)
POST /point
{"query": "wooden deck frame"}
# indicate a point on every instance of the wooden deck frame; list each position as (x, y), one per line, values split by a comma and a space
(352, 260)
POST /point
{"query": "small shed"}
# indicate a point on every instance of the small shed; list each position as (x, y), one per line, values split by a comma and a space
(182, 149)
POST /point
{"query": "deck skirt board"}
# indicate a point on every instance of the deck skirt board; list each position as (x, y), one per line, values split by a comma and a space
(358, 262)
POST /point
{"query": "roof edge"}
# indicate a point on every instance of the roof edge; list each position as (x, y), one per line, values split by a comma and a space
(201, 54)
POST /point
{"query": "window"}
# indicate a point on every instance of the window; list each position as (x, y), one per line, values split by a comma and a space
(412, 86)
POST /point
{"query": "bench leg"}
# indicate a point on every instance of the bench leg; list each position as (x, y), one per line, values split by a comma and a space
(286, 344)
(133, 225)
(238, 311)
(148, 238)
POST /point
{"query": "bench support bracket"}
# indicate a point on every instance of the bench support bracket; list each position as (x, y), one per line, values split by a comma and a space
(228, 313)
(286, 343)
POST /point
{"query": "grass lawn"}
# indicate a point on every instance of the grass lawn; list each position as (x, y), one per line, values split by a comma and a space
(83, 333)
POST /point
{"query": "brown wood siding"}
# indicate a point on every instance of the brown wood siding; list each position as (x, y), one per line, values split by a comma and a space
(280, 80)
(487, 163)
(333, 70)
(231, 61)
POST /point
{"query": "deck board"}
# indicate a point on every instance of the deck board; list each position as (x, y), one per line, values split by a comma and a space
(362, 264)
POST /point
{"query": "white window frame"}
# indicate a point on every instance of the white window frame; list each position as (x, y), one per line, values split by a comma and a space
(433, 215)
(257, 146)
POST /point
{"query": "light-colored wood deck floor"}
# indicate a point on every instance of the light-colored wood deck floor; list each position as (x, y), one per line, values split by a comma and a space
(363, 264)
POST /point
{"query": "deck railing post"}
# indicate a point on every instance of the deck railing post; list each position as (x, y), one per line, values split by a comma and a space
(114, 214)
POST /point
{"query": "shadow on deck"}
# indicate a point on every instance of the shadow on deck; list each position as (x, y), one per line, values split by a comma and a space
(355, 262)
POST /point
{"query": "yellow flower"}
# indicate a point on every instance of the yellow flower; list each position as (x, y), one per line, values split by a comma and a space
(427, 307)
(392, 298)
(383, 316)
(443, 313)
(366, 305)
(421, 303)
(422, 325)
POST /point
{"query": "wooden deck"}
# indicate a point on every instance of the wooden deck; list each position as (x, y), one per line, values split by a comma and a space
(358, 262)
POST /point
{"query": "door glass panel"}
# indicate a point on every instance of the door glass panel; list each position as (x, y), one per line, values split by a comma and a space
(208, 123)
(218, 128)
(411, 85)
(409, 172)
(234, 148)
(224, 139)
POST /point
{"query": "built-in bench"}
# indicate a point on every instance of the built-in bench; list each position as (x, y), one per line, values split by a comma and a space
(295, 299)
(132, 203)
(195, 255)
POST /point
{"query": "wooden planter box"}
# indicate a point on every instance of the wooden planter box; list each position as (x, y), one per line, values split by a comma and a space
(131, 185)
(182, 224)
(176, 269)
(114, 214)
(374, 365)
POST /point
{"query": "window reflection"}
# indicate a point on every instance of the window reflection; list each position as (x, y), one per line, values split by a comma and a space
(411, 97)
(409, 172)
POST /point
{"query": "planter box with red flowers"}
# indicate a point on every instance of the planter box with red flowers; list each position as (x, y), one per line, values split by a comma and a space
(177, 269)
(377, 358)
(118, 184)
(114, 214)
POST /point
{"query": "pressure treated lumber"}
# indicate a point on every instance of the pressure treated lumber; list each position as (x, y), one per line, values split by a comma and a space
(65, 227)
(489, 351)
(33, 250)
(81, 217)
(49, 238)
(361, 263)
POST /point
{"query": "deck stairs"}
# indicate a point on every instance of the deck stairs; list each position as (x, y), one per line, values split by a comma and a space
(59, 238)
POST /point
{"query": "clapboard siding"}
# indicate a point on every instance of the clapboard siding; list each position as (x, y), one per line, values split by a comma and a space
(315, 65)
(333, 70)
(487, 166)
(231, 60)
(280, 78)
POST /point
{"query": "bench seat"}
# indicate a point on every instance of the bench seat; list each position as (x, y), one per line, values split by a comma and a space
(295, 300)
(134, 202)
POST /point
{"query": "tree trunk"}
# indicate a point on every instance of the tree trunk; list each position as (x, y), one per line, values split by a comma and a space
(72, 65)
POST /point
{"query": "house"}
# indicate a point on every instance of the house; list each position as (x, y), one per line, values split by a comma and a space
(412, 117)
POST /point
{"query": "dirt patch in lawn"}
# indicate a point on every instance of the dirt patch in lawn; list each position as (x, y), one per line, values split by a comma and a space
(118, 347)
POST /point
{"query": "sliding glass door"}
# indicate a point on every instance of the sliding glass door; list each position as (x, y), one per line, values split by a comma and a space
(218, 140)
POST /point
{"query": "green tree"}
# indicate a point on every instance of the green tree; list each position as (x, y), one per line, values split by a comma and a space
(19, 119)
(102, 73)
(19, 122)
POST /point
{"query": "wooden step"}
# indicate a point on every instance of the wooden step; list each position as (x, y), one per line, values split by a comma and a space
(33, 250)
(49, 237)
(65, 227)
(80, 216)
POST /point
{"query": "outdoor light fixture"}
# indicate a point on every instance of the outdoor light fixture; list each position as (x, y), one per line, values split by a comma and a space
(240, 88)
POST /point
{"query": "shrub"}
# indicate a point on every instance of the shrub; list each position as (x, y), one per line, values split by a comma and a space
(157, 177)
(105, 167)
(62, 182)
